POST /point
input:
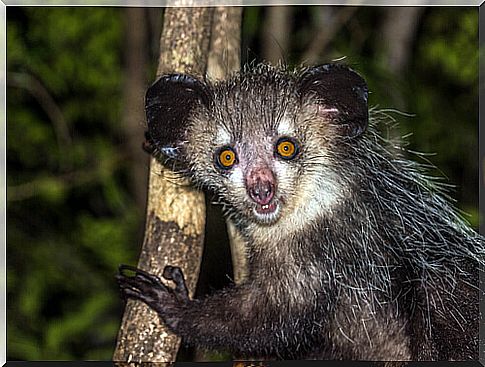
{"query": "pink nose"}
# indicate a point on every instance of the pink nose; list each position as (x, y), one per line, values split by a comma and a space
(261, 185)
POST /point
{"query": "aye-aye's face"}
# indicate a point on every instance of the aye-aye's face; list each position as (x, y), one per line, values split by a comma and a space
(264, 141)
(265, 162)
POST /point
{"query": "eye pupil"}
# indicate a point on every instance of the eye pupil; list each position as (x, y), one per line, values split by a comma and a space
(286, 148)
(226, 158)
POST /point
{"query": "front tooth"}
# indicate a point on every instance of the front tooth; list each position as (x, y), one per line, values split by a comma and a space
(265, 206)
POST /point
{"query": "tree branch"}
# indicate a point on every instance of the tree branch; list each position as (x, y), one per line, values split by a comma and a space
(328, 26)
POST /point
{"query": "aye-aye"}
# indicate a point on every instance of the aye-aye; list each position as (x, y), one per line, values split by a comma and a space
(353, 252)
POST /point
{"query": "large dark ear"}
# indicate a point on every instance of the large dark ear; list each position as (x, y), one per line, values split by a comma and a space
(168, 104)
(340, 94)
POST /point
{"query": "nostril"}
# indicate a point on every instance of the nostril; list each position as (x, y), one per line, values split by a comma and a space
(262, 192)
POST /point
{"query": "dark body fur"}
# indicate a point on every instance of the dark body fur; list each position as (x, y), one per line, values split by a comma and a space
(366, 260)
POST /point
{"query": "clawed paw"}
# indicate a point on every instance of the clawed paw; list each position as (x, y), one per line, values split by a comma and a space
(148, 288)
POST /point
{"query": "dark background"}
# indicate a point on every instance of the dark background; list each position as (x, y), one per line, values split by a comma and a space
(76, 174)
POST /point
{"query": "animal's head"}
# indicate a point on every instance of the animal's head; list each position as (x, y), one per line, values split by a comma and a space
(265, 140)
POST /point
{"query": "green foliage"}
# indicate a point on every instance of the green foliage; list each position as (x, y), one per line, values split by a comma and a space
(71, 218)
(456, 51)
(444, 90)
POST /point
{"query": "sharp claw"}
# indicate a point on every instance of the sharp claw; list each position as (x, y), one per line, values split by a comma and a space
(139, 283)
(138, 272)
(123, 267)
(130, 293)
(126, 283)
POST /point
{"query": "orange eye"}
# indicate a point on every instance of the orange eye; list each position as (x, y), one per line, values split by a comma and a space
(286, 148)
(226, 158)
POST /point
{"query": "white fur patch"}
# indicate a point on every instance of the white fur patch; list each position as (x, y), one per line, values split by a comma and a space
(222, 136)
(237, 176)
(285, 127)
(319, 195)
(280, 169)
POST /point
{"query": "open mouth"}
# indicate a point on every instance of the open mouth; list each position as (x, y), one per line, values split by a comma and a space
(267, 208)
(267, 213)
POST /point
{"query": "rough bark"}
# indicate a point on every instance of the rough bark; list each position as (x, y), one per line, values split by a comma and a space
(176, 211)
(225, 46)
(224, 59)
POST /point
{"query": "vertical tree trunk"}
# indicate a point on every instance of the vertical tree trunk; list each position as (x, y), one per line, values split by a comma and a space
(329, 22)
(399, 31)
(176, 211)
(276, 33)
